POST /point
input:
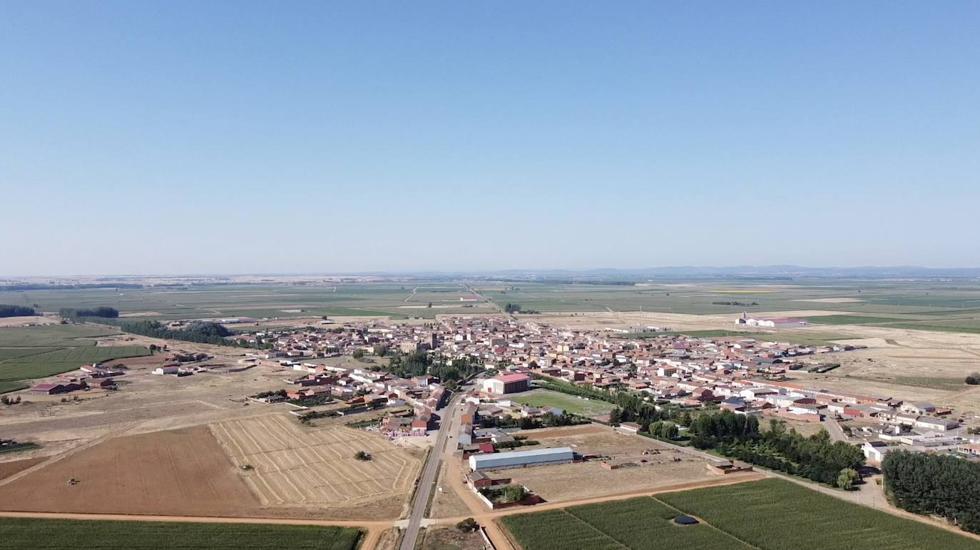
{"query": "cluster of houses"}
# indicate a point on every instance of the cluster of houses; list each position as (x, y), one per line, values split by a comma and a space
(96, 375)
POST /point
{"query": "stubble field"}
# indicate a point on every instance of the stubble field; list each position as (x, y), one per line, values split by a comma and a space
(177, 472)
(303, 467)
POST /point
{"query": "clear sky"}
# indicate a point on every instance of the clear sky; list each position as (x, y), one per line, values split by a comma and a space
(235, 137)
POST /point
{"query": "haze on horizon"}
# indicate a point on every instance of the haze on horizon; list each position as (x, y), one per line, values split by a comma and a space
(239, 137)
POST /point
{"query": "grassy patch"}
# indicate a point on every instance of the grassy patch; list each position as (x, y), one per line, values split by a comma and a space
(17, 447)
(769, 515)
(850, 320)
(948, 384)
(569, 403)
(46, 533)
(7, 386)
(36, 352)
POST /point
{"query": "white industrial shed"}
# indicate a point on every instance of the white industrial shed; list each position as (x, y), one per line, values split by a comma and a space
(518, 459)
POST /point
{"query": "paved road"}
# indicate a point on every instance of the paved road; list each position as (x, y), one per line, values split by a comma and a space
(834, 429)
(429, 473)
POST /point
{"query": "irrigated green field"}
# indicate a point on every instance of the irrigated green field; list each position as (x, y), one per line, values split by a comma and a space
(569, 403)
(641, 523)
(768, 515)
(36, 352)
(49, 533)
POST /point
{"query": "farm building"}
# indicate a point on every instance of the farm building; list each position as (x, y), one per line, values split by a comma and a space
(507, 383)
(52, 388)
(520, 459)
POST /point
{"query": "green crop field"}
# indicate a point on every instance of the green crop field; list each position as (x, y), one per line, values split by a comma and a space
(36, 352)
(769, 515)
(49, 533)
(570, 403)
(636, 523)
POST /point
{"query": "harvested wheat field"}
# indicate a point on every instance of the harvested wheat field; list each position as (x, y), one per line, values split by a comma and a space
(289, 465)
(176, 472)
(8, 469)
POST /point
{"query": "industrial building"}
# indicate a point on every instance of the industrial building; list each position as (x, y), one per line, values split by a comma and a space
(507, 383)
(520, 459)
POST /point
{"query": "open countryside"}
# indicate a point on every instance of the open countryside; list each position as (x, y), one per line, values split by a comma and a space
(489, 275)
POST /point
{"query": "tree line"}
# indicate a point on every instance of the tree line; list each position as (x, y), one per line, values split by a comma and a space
(815, 457)
(203, 332)
(102, 312)
(7, 310)
(937, 484)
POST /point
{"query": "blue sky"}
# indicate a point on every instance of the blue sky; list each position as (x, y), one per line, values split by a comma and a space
(233, 137)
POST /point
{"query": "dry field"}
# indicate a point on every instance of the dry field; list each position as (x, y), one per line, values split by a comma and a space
(296, 466)
(27, 321)
(566, 482)
(445, 538)
(675, 321)
(10, 468)
(178, 472)
(446, 502)
(907, 364)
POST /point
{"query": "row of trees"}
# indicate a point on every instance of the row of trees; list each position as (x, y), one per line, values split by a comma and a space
(516, 308)
(202, 332)
(528, 423)
(102, 312)
(943, 485)
(815, 457)
(7, 310)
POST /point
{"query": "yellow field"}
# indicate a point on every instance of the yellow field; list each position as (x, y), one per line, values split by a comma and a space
(298, 466)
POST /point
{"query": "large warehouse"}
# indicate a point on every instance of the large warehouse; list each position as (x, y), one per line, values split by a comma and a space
(507, 383)
(519, 459)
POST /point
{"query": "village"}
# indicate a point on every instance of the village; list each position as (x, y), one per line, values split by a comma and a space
(747, 376)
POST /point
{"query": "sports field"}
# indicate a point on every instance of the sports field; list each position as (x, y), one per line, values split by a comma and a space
(569, 403)
(35, 352)
(51, 533)
(769, 515)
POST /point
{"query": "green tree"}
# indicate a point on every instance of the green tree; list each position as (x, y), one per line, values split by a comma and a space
(847, 478)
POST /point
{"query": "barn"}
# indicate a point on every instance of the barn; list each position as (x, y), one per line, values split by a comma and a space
(520, 459)
(507, 383)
